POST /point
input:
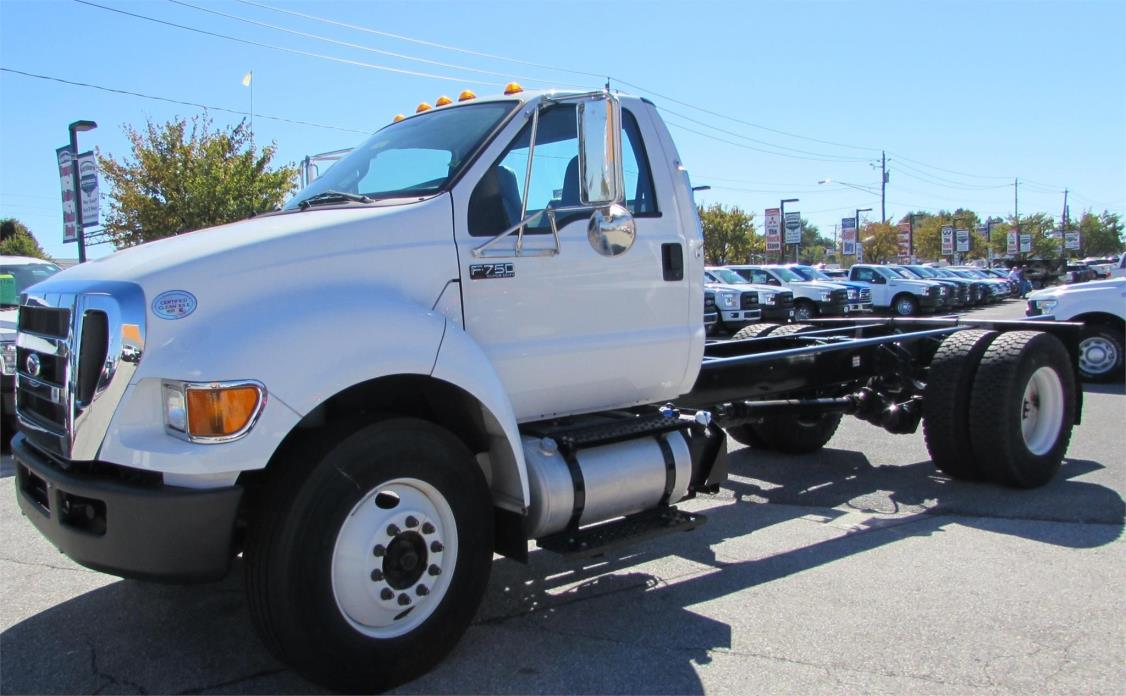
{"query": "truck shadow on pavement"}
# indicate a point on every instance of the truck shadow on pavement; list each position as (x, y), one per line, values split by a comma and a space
(623, 623)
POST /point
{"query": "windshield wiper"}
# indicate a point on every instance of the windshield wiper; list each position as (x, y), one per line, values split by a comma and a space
(333, 197)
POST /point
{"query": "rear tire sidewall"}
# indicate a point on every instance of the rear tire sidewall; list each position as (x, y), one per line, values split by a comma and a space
(317, 635)
(996, 412)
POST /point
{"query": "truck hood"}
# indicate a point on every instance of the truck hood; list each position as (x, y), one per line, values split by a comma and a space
(253, 241)
(814, 285)
(1114, 285)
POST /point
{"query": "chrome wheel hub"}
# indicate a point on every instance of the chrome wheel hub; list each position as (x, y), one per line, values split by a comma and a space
(394, 555)
(1097, 355)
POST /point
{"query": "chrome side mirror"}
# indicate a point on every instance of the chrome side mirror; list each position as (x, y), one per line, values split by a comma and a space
(600, 151)
(611, 230)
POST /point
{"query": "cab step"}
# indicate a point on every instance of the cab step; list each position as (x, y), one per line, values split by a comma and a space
(599, 539)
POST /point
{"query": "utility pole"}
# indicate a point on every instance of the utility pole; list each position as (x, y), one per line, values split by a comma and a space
(1063, 228)
(1016, 217)
(883, 185)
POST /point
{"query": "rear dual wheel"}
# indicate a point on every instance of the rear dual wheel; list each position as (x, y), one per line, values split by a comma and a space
(999, 406)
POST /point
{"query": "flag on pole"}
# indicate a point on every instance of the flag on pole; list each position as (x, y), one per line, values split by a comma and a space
(247, 78)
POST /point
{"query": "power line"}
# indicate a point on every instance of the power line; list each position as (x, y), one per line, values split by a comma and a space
(360, 47)
(309, 54)
(177, 101)
(674, 124)
(420, 42)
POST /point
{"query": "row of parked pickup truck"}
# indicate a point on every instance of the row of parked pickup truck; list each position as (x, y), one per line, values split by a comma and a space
(738, 295)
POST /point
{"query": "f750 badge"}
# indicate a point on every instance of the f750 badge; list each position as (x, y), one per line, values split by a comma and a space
(489, 271)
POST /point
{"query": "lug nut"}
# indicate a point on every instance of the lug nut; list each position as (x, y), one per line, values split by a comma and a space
(434, 570)
(412, 522)
(422, 591)
(392, 530)
(376, 575)
(436, 546)
(386, 594)
(379, 551)
(427, 528)
(404, 599)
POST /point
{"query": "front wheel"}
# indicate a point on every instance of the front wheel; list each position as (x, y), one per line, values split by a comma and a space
(804, 311)
(366, 564)
(905, 305)
(1100, 353)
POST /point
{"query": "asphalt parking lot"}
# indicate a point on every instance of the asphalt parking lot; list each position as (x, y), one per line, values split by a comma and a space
(858, 569)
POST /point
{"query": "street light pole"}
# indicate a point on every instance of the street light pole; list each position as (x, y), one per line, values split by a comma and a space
(782, 212)
(79, 231)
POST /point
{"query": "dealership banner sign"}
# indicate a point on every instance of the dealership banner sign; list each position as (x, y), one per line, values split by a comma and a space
(793, 228)
(848, 236)
(1025, 243)
(962, 238)
(66, 182)
(88, 188)
(1071, 240)
(904, 236)
(1011, 245)
(773, 220)
(947, 241)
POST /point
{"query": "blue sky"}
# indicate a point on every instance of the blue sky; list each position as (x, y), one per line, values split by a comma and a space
(963, 96)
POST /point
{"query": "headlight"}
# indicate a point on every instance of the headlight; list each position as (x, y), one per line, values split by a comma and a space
(1046, 306)
(727, 300)
(825, 295)
(212, 412)
(8, 357)
(852, 294)
(768, 299)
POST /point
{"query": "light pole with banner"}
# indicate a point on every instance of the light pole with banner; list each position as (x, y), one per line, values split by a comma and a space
(76, 128)
(858, 211)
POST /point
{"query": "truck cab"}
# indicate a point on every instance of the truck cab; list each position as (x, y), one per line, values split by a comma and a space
(811, 299)
(892, 291)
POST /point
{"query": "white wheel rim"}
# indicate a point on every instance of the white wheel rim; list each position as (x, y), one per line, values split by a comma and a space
(904, 306)
(1042, 410)
(369, 589)
(1097, 355)
(802, 313)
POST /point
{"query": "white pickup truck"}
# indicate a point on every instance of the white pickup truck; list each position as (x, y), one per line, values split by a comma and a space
(891, 290)
(490, 332)
(1101, 306)
(811, 298)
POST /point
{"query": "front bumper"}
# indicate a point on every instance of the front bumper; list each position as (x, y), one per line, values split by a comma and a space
(738, 318)
(778, 313)
(929, 301)
(855, 307)
(132, 528)
(833, 308)
(7, 396)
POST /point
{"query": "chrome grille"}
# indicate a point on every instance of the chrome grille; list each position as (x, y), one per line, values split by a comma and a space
(865, 295)
(73, 345)
(748, 300)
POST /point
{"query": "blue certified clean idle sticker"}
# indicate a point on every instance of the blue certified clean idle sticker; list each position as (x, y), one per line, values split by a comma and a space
(174, 304)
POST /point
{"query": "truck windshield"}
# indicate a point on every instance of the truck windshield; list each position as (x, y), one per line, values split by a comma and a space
(411, 158)
(786, 274)
(16, 278)
(730, 277)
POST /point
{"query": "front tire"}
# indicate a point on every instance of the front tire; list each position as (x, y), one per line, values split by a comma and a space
(1100, 353)
(804, 310)
(905, 305)
(365, 565)
(1023, 408)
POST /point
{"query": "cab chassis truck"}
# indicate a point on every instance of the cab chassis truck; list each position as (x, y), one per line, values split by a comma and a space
(457, 365)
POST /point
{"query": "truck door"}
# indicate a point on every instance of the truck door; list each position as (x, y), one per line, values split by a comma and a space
(573, 324)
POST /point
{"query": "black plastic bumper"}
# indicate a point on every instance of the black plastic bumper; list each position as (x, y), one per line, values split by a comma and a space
(833, 308)
(133, 529)
(772, 313)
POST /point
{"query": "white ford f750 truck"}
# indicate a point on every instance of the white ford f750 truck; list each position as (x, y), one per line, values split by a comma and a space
(490, 332)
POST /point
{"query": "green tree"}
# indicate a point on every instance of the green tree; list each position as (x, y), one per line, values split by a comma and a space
(814, 246)
(17, 240)
(728, 234)
(881, 242)
(1100, 235)
(183, 175)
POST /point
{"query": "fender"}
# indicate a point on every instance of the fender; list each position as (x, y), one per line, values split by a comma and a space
(461, 362)
(303, 356)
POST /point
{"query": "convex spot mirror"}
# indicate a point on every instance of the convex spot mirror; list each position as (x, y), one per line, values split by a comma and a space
(600, 151)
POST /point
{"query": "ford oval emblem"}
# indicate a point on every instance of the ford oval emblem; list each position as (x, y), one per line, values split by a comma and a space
(33, 365)
(174, 304)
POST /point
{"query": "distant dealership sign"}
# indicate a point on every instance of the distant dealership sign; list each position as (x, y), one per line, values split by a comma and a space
(88, 188)
(1011, 244)
(962, 238)
(773, 220)
(793, 228)
(1025, 243)
(1071, 240)
(947, 241)
(848, 236)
